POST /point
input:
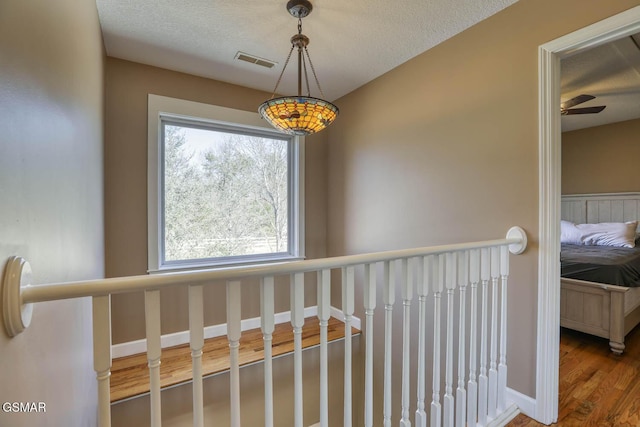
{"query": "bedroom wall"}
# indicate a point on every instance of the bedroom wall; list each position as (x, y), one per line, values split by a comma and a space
(51, 135)
(453, 155)
(601, 159)
(127, 86)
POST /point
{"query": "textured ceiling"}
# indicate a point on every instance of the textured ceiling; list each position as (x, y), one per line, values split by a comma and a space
(611, 73)
(352, 42)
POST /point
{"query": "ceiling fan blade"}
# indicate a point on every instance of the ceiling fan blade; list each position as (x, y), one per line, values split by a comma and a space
(577, 100)
(586, 110)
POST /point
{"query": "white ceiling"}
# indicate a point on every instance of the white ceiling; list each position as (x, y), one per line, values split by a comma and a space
(352, 42)
(611, 73)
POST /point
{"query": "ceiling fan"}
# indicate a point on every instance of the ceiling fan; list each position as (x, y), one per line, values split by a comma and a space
(565, 106)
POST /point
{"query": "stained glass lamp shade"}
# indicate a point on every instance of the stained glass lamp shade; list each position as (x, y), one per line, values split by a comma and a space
(299, 115)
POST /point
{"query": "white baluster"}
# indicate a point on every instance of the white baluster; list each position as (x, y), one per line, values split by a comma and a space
(438, 286)
(483, 386)
(348, 306)
(297, 321)
(196, 339)
(407, 296)
(369, 307)
(389, 298)
(461, 393)
(267, 325)
(101, 308)
(422, 291)
(449, 403)
(502, 367)
(493, 359)
(472, 388)
(154, 350)
(234, 317)
(324, 312)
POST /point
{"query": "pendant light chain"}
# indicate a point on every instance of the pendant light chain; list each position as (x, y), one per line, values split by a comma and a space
(306, 75)
(301, 58)
(313, 70)
(282, 72)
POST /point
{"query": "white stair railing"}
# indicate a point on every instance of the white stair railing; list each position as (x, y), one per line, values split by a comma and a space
(436, 274)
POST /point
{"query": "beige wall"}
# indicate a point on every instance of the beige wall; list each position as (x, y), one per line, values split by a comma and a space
(51, 112)
(445, 149)
(127, 87)
(602, 159)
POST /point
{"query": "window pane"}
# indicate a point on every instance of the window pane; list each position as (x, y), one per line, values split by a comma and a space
(225, 194)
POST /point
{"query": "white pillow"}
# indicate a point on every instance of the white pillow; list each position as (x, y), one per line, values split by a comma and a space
(621, 234)
(569, 233)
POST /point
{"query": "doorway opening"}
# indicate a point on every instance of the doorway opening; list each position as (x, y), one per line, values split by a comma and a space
(548, 324)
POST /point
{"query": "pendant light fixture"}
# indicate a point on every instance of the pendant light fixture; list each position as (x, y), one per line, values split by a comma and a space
(300, 114)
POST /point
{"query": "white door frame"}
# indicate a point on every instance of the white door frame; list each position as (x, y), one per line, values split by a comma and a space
(549, 56)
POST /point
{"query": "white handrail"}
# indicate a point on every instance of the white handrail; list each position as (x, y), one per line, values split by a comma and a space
(58, 291)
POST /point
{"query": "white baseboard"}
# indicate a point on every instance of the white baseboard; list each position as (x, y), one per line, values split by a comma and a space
(505, 417)
(526, 404)
(355, 321)
(179, 338)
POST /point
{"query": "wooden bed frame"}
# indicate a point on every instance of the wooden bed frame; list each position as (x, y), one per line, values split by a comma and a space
(597, 308)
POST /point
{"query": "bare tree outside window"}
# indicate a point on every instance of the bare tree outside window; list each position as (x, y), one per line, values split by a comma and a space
(225, 194)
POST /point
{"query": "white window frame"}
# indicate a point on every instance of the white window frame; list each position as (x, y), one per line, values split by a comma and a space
(160, 107)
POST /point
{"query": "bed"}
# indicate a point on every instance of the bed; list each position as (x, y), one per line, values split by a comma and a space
(600, 284)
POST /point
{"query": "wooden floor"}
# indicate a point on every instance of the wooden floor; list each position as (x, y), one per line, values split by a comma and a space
(597, 388)
(130, 375)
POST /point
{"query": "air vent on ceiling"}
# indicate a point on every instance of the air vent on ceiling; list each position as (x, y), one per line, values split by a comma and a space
(255, 60)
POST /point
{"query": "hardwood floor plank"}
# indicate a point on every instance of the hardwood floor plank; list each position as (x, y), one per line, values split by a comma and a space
(597, 387)
(130, 376)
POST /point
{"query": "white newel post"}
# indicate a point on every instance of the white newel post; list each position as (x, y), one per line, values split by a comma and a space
(102, 356)
(369, 307)
(196, 338)
(422, 291)
(324, 313)
(267, 324)
(389, 298)
(449, 404)
(297, 321)
(234, 331)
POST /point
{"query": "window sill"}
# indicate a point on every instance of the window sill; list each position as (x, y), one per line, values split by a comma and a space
(225, 266)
